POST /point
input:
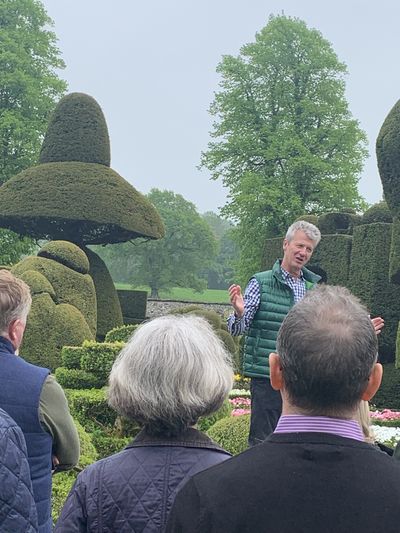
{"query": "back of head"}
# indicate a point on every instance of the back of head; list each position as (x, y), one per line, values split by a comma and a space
(15, 300)
(311, 231)
(173, 370)
(327, 347)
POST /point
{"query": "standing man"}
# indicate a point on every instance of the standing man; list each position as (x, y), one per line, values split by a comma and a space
(32, 397)
(315, 473)
(267, 300)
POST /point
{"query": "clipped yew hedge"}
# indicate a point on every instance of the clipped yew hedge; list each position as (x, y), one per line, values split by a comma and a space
(370, 282)
(121, 333)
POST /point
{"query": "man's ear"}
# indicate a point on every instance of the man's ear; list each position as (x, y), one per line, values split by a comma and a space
(374, 382)
(15, 332)
(275, 371)
(285, 243)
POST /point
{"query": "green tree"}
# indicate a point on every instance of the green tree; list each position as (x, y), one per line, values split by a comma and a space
(221, 272)
(29, 88)
(285, 142)
(177, 260)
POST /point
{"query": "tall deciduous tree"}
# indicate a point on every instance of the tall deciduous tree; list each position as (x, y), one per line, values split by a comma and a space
(178, 259)
(29, 88)
(285, 141)
(220, 273)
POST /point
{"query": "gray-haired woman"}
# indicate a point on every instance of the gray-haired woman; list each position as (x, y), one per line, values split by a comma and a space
(173, 370)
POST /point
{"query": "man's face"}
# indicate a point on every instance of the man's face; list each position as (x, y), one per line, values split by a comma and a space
(297, 252)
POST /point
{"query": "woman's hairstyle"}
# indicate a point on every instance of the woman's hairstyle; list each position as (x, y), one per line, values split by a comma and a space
(173, 370)
(364, 419)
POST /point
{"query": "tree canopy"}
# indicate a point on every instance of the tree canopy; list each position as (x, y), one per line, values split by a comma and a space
(285, 142)
(177, 260)
(220, 273)
(29, 88)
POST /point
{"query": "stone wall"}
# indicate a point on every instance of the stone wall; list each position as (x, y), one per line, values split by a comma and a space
(162, 307)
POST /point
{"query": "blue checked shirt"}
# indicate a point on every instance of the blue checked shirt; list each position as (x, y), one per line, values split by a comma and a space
(238, 326)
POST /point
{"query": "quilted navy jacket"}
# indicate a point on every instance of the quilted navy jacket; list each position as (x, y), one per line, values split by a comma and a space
(17, 506)
(133, 491)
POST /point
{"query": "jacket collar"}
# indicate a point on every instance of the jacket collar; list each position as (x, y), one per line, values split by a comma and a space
(190, 438)
(307, 274)
(6, 346)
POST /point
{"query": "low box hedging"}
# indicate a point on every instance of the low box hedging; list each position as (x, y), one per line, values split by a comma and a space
(231, 433)
(121, 333)
(98, 357)
(90, 408)
(71, 356)
(75, 378)
(106, 445)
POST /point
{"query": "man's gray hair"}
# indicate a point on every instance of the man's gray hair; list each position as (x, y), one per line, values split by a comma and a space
(173, 370)
(327, 347)
(15, 300)
(309, 229)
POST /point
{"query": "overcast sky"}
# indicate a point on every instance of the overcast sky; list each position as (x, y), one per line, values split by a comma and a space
(151, 66)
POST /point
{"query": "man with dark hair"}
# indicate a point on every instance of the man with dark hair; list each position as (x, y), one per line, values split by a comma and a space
(32, 397)
(315, 473)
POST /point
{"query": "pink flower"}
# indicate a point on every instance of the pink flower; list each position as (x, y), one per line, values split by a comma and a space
(386, 414)
(239, 412)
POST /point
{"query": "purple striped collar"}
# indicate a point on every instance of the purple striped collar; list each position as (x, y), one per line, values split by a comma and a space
(349, 429)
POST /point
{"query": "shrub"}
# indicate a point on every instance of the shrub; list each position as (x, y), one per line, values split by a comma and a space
(377, 213)
(90, 408)
(338, 222)
(109, 314)
(205, 422)
(71, 356)
(98, 358)
(75, 378)
(63, 481)
(67, 254)
(106, 444)
(231, 433)
(121, 333)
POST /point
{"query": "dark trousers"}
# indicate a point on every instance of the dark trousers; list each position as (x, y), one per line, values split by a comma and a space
(266, 408)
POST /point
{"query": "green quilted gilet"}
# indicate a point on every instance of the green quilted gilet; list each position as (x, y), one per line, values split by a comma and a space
(276, 298)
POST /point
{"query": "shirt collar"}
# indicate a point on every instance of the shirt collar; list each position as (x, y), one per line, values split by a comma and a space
(286, 275)
(320, 424)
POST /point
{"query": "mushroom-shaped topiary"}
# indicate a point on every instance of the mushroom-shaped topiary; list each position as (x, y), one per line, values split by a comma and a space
(73, 194)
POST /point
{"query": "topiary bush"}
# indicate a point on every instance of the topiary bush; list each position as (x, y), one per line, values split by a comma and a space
(90, 408)
(98, 358)
(388, 395)
(340, 222)
(75, 378)
(205, 422)
(109, 314)
(378, 212)
(63, 481)
(71, 356)
(63, 302)
(231, 433)
(369, 281)
(107, 444)
(121, 333)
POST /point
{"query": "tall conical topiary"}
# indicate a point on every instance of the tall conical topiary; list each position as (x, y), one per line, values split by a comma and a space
(77, 132)
(73, 194)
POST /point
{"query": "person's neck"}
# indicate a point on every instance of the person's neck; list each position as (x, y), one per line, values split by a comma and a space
(293, 273)
(289, 409)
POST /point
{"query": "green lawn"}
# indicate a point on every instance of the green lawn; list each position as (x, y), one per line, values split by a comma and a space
(208, 296)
